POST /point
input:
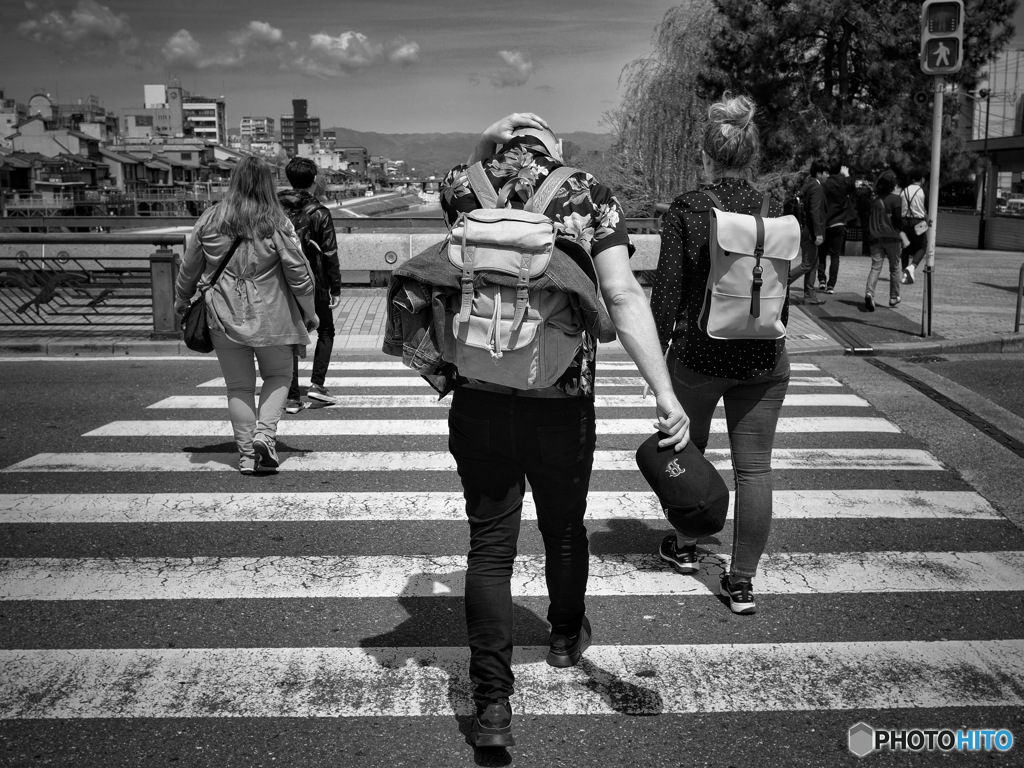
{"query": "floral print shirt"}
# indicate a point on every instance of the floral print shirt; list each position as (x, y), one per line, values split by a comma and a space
(584, 211)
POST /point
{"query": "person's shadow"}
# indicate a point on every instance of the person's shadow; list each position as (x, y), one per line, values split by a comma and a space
(434, 635)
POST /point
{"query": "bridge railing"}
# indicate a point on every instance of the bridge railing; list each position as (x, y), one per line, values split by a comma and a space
(120, 280)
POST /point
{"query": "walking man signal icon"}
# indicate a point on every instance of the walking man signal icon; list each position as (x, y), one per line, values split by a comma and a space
(941, 55)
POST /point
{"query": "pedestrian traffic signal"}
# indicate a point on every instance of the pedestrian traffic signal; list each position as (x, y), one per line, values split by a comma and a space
(942, 37)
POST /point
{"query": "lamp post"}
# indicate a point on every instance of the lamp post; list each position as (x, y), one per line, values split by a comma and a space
(985, 94)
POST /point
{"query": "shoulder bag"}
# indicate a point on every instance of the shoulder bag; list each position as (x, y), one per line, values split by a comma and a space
(195, 330)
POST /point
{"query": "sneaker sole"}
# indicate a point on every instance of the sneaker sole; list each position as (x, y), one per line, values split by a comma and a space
(686, 570)
(263, 455)
(322, 398)
(499, 738)
(740, 608)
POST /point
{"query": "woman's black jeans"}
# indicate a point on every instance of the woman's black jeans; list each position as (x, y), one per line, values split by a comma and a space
(500, 441)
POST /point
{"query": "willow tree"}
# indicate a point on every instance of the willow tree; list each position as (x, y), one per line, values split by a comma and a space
(836, 78)
(656, 152)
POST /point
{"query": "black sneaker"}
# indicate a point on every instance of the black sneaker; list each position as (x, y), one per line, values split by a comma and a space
(683, 560)
(869, 302)
(565, 651)
(293, 406)
(830, 290)
(740, 595)
(493, 726)
(317, 392)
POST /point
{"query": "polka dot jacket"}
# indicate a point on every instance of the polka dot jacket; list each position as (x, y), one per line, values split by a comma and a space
(681, 279)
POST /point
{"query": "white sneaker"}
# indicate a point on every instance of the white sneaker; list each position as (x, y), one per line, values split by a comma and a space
(908, 275)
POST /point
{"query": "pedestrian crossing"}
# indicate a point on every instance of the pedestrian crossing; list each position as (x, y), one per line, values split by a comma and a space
(364, 550)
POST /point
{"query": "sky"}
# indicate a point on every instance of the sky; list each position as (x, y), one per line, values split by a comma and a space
(390, 66)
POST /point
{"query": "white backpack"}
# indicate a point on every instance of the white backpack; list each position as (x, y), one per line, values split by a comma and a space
(517, 336)
(749, 278)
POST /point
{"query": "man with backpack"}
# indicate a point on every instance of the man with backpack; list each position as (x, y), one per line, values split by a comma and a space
(811, 213)
(315, 228)
(502, 435)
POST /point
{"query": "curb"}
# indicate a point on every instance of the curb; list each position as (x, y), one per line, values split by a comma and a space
(998, 343)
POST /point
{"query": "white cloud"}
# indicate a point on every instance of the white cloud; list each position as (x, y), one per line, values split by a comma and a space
(257, 40)
(404, 51)
(90, 29)
(516, 69)
(330, 56)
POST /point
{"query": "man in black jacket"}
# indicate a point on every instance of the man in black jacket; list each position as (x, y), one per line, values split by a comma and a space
(315, 228)
(839, 211)
(812, 235)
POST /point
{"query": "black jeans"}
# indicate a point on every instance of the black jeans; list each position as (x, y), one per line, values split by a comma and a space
(807, 267)
(831, 250)
(499, 442)
(323, 349)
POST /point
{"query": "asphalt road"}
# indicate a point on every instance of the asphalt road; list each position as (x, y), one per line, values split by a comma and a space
(70, 522)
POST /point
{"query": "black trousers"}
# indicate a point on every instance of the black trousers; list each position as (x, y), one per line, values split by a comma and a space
(831, 250)
(322, 350)
(499, 442)
(807, 268)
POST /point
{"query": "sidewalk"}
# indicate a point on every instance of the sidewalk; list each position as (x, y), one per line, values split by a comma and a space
(975, 294)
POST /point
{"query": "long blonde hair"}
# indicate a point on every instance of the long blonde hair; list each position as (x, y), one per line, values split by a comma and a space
(251, 209)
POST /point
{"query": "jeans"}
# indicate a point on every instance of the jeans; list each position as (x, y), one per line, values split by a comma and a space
(807, 267)
(239, 369)
(831, 250)
(499, 442)
(752, 409)
(880, 251)
(323, 349)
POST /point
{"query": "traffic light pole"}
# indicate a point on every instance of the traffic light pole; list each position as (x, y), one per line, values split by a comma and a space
(933, 205)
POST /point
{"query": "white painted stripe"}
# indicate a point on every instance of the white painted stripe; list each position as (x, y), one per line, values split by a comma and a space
(373, 382)
(219, 402)
(277, 577)
(450, 506)
(837, 459)
(406, 682)
(392, 365)
(419, 427)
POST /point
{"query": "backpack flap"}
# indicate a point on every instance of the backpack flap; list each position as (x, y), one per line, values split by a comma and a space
(736, 233)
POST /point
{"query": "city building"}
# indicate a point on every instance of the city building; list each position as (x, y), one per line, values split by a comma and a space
(257, 128)
(11, 114)
(299, 127)
(997, 130)
(171, 112)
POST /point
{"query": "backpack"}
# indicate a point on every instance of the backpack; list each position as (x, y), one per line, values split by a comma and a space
(516, 336)
(793, 205)
(749, 277)
(302, 220)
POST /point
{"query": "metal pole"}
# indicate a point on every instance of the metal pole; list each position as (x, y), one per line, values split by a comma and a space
(933, 206)
(984, 187)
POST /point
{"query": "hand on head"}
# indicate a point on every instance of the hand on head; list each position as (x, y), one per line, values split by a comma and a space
(501, 131)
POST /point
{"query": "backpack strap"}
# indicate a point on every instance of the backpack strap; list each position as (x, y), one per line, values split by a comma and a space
(546, 192)
(481, 186)
(764, 208)
(714, 199)
(758, 271)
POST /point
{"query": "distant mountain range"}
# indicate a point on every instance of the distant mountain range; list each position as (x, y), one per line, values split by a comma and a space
(435, 153)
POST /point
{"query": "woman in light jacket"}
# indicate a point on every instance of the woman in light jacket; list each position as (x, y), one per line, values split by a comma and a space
(262, 305)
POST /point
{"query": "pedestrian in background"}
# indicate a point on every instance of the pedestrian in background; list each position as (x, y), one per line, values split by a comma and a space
(839, 192)
(261, 307)
(884, 221)
(913, 207)
(812, 235)
(315, 229)
(752, 376)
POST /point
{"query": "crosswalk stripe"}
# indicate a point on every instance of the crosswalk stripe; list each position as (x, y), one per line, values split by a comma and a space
(410, 427)
(370, 382)
(394, 365)
(837, 459)
(449, 506)
(406, 682)
(193, 402)
(276, 577)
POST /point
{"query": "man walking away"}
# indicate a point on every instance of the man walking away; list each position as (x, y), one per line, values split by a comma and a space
(315, 228)
(839, 210)
(812, 235)
(913, 207)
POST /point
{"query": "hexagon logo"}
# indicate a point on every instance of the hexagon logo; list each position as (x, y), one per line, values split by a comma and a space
(861, 739)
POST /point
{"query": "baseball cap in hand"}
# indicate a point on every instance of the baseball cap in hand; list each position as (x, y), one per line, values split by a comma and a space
(694, 495)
